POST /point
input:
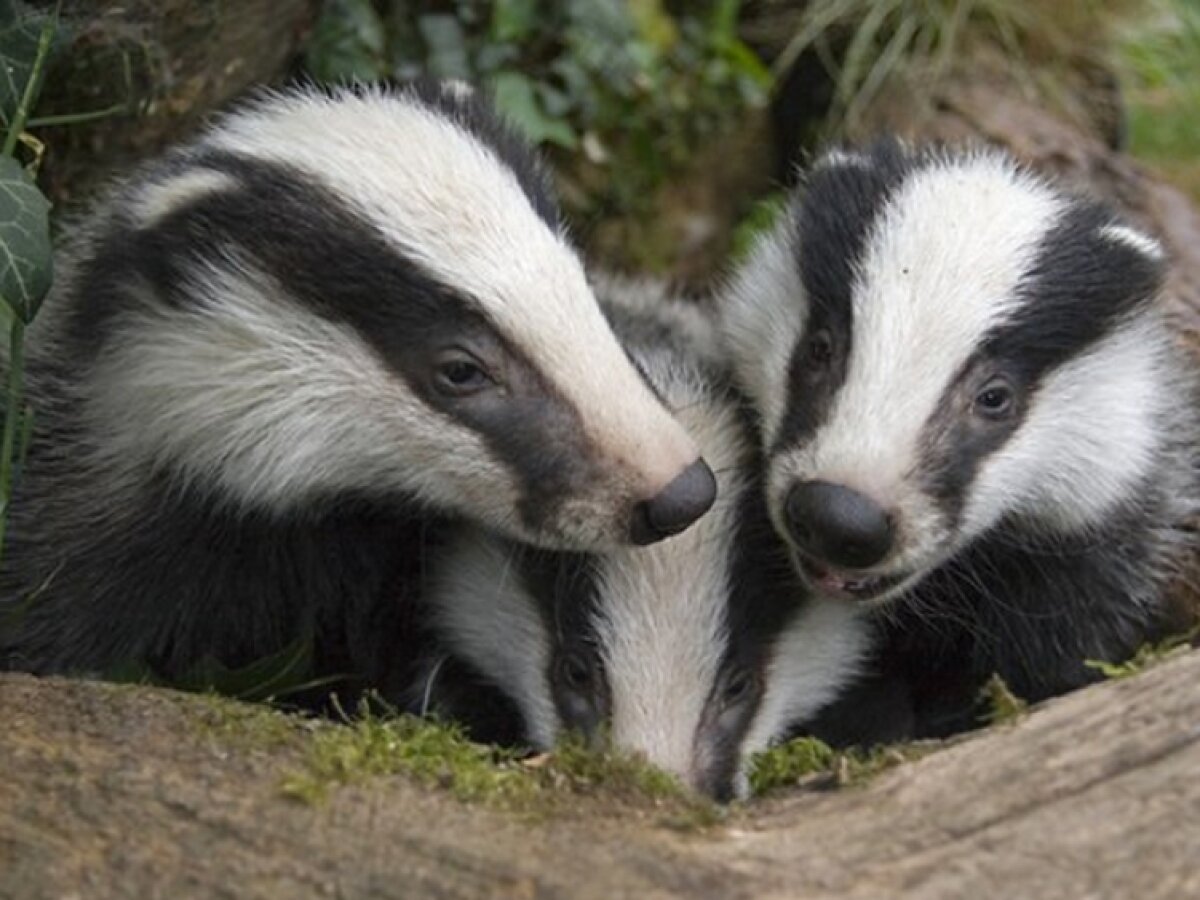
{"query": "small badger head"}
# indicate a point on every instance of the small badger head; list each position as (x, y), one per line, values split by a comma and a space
(937, 343)
(370, 294)
(695, 653)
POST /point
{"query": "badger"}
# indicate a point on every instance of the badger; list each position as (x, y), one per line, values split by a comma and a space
(975, 421)
(276, 359)
(695, 652)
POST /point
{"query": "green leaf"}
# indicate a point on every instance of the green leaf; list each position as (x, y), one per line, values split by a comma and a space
(517, 99)
(20, 31)
(347, 43)
(447, 47)
(26, 259)
(513, 20)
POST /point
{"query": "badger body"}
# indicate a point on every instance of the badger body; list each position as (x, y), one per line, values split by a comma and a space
(278, 359)
(975, 420)
(695, 652)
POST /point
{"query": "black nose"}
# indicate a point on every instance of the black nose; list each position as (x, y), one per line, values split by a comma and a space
(676, 506)
(838, 525)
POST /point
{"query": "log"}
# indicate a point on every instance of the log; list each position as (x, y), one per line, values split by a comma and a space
(117, 791)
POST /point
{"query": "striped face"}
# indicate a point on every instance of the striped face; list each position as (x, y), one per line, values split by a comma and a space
(695, 653)
(936, 344)
(371, 295)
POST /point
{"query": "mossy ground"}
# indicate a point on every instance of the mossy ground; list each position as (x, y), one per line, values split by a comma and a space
(437, 755)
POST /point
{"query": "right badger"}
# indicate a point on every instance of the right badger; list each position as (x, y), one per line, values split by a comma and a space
(975, 421)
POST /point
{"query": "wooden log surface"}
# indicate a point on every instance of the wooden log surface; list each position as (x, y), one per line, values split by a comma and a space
(117, 791)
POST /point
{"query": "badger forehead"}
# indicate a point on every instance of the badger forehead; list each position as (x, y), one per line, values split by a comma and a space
(435, 171)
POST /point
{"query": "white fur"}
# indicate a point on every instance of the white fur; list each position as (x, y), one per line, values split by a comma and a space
(1131, 237)
(445, 199)
(816, 655)
(157, 200)
(763, 311)
(486, 615)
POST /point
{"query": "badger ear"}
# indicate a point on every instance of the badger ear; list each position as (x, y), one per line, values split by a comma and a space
(762, 309)
(1128, 236)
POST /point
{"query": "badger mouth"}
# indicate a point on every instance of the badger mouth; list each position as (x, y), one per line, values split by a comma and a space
(847, 585)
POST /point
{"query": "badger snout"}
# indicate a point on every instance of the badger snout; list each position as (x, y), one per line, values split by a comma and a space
(838, 525)
(684, 500)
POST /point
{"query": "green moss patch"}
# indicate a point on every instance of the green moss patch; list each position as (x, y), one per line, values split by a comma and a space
(1147, 655)
(438, 755)
(813, 763)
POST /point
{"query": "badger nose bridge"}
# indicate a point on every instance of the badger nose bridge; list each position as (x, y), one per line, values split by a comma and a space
(838, 525)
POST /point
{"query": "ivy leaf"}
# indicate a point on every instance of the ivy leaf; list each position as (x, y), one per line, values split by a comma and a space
(347, 43)
(20, 31)
(26, 258)
(516, 98)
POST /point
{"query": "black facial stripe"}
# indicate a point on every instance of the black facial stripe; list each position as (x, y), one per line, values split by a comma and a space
(565, 588)
(954, 445)
(841, 206)
(766, 596)
(475, 114)
(1080, 287)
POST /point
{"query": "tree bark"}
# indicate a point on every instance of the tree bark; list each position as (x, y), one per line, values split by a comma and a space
(117, 791)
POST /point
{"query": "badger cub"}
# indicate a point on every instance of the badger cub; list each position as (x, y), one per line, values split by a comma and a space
(975, 421)
(696, 652)
(274, 361)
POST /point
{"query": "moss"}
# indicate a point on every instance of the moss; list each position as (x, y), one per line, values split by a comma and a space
(438, 755)
(245, 725)
(808, 760)
(787, 764)
(1147, 655)
(1002, 704)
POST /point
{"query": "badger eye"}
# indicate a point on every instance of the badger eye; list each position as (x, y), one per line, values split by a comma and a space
(458, 375)
(819, 350)
(995, 400)
(575, 673)
(738, 688)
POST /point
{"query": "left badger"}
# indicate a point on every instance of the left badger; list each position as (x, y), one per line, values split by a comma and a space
(275, 359)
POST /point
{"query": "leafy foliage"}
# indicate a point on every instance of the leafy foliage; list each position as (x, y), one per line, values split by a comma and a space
(27, 39)
(634, 87)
